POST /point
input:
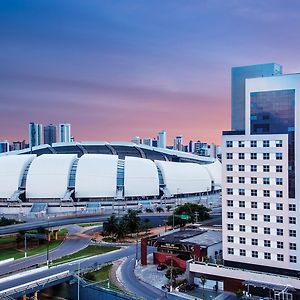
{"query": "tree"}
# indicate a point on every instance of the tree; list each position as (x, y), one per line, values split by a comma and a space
(146, 224)
(159, 209)
(168, 207)
(121, 229)
(111, 225)
(132, 221)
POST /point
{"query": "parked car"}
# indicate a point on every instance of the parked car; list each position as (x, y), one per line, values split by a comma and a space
(161, 267)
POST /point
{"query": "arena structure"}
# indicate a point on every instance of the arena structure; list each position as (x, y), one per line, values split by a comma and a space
(101, 177)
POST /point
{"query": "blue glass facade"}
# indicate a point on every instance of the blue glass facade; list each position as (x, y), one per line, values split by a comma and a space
(273, 112)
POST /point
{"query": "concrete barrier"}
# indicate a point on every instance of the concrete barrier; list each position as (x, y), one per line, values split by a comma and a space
(5, 261)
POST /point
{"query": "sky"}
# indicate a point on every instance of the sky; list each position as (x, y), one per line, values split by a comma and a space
(123, 68)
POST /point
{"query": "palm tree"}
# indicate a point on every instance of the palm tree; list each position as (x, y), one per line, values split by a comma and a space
(132, 221)
(146, 224)
(111, 225)
(121, 229)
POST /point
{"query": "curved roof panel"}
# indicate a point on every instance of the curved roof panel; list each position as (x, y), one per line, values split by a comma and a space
(96, 176)
(12, 168)
(184, 178)
(215, 171)
(48, 176)
(141, 177)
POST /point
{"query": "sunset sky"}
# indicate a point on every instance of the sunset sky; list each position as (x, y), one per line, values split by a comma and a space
(117, 69)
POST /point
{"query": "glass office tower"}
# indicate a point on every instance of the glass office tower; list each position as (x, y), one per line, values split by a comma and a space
(238, 76)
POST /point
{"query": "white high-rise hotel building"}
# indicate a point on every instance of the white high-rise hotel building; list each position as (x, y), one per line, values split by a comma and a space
(261, 212)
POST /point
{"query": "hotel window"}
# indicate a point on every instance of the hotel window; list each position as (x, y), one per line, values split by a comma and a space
(242, 216)
(254, 242)
(267, 255)
(279, 194)
(279, 206)
(241, 179)
(279, 219)
(229, 226)
(279, 156)
(253, 156)
(254, 229)
(241, 155)
(279, 245)
(242, 252)
(266, 205)
(229, 156)
(242, 240)
(241, 168)
(292, 207)
(230, 203)
(278, 143)
(253, 192)
(267, 218)
(280, 257)
(253, 204)
(292, 233)
(229, 168)
(279, 181)
(230, 239)
(241, 192)
(266, 156)
(292, 220)
(230, 215)
(254, 254)
(229, 179)
(253, 180)
(229, 144)
(293, 259)
(253, 144)
(266, 193)
(241, 203)
(253, 168)
(266, 180)
(253, 217)
(242, 228)
(229, 191)
(230, 250)
(267, 243)
(267, 230)
(279, 169)
(241, 144)
(279, 231)
(266, 144)
(293, 246)
(266, 168)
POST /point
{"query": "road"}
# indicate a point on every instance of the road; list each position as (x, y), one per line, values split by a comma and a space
(72, 267)
(76, 240)
(155, 219)
(136, 286)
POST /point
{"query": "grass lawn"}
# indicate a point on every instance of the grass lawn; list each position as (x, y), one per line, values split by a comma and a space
(91, 224)
(14, 253)
(7, 239)
(100, 275)
(88, 251)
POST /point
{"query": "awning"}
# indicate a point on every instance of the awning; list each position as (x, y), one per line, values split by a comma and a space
(268, 285)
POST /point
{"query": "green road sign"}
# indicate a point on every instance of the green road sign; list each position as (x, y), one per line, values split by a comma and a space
(184, 217)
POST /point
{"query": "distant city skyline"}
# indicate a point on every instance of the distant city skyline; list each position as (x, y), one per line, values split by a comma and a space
(119, 69)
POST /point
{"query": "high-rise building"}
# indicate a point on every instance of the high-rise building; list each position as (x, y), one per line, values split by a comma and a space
(147, 141)
(238, 76)
(4, 146)
(154, 142)
(19, 145)
(178, 143)
(162, 139)
(136, 140)
(191, 147)
(49, 134)
(261, 211)
(35, 134)
(65, 133)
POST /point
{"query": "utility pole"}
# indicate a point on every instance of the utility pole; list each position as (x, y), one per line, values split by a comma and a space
(196, 216)
(25, 244)
(48, 235)
(78, 282)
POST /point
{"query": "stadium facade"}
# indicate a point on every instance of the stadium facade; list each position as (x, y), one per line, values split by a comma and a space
(101, 177)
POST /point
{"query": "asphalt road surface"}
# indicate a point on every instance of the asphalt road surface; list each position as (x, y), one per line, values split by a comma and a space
(75, 241)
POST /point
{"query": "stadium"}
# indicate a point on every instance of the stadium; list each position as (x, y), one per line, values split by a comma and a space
(101, 177)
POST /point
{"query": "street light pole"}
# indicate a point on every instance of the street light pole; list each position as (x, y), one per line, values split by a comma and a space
(78, 282)
(48, 235)
(25, 245)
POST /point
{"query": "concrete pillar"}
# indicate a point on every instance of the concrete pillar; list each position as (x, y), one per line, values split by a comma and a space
(35, 297)
(143, 252)
(56, 235)
(48, 236)
(24, 297)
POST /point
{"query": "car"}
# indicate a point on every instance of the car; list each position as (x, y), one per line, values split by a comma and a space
(161, 267)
